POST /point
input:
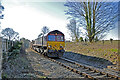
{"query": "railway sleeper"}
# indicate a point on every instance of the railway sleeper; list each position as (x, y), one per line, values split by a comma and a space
(71, 68)
(98, 76)
(78, 64)
(79, 72)
(90, 69)
(64, 65)
(74, 70)
(93, 75)
(86, 69)
(113, 76)
(102, 74)
(90, 72)
(87, 75)
(84, 74)
(100, 71)
(67, 67)
(59, 63)
(101, 77)
(54, 60)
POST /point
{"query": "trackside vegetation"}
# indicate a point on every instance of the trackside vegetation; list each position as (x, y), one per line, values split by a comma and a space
(108, 50)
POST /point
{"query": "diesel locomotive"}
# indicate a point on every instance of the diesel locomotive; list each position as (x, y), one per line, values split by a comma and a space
(51, 44)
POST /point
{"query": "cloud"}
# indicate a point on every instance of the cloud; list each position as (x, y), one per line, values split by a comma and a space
(28, 21)
(34, 0)
(60, 0)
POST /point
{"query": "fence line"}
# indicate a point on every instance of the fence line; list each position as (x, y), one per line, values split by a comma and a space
(3, 49)
(0, 57)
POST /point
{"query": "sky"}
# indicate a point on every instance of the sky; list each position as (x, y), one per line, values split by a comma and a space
(27, 17)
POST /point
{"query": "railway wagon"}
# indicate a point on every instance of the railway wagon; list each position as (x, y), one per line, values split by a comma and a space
(51, 44)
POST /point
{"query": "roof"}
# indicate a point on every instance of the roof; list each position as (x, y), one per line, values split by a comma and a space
(55, 31)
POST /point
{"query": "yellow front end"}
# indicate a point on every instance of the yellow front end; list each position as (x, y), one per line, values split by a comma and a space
(55, 48)
(55, 45)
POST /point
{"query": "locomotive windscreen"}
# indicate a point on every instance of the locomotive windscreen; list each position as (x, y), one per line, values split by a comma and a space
(55, 38)
(51, 37)
(60, 38)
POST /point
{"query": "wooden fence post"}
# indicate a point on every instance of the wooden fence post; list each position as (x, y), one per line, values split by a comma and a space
(118, 64)
(0, 57)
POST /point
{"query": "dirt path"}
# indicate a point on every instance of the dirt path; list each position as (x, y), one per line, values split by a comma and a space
(49, 68)
(32, 65)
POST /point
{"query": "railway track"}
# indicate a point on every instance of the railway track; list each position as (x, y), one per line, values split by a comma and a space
(85, 71)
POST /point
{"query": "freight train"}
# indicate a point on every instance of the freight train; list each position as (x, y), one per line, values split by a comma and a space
(51, 44)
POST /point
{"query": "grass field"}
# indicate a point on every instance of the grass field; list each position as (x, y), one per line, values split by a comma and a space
(108, 50)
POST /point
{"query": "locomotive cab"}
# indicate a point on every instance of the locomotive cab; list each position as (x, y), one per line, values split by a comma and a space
(55, 44)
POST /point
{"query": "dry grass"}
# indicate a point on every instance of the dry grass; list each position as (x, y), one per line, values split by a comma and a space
(107, 50)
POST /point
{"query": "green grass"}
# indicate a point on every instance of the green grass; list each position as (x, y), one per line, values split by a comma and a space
(106, 51)
(105, 54)
(114, 50)
(4, 75)
(99, 49)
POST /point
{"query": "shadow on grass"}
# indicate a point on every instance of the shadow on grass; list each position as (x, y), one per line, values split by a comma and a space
(88, 60)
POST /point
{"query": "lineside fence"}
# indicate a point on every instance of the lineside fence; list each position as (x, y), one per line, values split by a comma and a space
(0, 57)
(8, 48)
(3, 50)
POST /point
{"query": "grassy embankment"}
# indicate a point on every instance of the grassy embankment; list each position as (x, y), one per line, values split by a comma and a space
(107, 50)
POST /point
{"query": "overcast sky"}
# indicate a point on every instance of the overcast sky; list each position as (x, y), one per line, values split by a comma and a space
(27, 17)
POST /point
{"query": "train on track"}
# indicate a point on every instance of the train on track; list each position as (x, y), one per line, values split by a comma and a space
(51, 44)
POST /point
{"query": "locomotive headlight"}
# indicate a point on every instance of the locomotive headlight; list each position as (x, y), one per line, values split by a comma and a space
(61, 46)
(49, 46)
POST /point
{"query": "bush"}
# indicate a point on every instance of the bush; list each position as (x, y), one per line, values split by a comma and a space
(85, 40)
(81, 39)
(111, 40)
(11, 49)
(103, 41)
(14, 50)
(96, 39)
(17, 45)
(4, 76)
(13, 53)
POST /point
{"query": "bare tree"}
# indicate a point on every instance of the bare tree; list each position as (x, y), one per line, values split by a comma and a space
(10, 34)
(39, 35)
(45, 30)
(16, 36)
(1, 14)
(111, 40)
(81, 39)
(97, 18)
(74, 30)
(1, 9)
